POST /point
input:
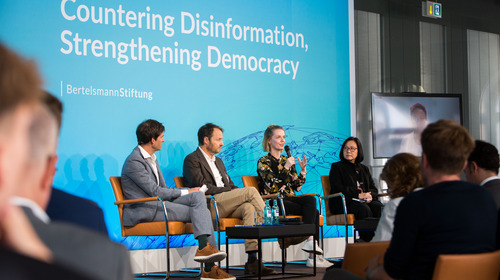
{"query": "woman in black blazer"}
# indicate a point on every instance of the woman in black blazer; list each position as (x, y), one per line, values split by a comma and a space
(355, 181)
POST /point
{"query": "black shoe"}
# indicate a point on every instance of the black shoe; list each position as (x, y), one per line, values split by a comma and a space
(252, 268)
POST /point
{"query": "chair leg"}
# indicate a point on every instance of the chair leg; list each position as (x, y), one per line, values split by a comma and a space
(168, 273)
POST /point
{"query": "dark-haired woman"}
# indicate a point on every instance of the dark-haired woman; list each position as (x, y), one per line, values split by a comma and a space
(355, 181)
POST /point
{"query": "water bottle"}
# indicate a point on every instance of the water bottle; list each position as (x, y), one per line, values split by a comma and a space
(276, 212)
(267, 214)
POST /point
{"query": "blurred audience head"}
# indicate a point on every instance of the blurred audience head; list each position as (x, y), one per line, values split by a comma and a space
(20, 95)
(54, 105)
(483, 162)
(446, 146)
(40, 168)
(402, 174)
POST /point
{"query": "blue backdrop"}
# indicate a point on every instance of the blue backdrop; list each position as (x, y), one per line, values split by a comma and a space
(240, 64)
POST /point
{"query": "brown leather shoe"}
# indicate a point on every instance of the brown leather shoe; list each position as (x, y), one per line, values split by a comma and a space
(291, 241)
(252, 268)
(216, 273)
(209, 254)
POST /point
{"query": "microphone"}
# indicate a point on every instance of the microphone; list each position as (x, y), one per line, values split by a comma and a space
(289, 154)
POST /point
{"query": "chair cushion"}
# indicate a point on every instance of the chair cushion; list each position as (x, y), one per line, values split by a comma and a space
(158, 228)
(229, 222)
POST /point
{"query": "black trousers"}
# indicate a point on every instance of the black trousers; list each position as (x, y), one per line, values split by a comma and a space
(362, 211)
(304, 206)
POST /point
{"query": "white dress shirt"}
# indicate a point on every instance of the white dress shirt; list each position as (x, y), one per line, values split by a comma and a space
(215, 170)
(489, 179)
(151, 160)
(37, 210)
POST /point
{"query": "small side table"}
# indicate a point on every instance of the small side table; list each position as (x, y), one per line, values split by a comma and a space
(266, 232)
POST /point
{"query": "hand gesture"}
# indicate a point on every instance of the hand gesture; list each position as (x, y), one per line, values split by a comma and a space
(303, 163)
(289, 163)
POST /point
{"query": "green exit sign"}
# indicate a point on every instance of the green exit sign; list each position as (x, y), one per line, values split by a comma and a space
(432, 9)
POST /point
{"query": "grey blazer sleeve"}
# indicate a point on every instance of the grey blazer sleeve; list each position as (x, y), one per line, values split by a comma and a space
(138, 179)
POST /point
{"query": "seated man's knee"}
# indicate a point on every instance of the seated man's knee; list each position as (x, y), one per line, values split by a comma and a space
(198, 196)
(248, 208)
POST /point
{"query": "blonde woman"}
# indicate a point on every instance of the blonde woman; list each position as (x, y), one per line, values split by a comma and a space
(278, 175)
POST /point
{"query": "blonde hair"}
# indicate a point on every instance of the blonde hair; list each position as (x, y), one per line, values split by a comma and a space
(267, 135)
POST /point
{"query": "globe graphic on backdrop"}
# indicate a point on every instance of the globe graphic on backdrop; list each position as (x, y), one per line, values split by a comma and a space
(321, 148)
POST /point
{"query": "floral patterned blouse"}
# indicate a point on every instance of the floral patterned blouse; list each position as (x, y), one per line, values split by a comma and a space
(273, 175)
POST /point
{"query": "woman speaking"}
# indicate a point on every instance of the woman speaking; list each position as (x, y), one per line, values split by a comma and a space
(278, 175)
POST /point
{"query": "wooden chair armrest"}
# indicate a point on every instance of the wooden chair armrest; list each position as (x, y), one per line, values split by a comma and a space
(332, 195)
(308, 194)
(137, 200)
(266, 196)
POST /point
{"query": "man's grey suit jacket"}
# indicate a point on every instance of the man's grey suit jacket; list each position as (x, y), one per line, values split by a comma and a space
(197, 173)
(82, 250)
(139, 181)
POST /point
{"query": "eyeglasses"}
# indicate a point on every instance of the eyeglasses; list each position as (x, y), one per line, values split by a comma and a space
(352, 149)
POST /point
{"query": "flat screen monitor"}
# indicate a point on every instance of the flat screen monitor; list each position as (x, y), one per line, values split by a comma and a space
(398, 119)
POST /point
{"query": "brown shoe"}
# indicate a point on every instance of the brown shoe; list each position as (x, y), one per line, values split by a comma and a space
(291, 241)
(252, 268)
(216, 274)
(209, 254)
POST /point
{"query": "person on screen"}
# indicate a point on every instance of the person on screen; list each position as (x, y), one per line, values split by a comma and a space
(402, 175)
(355, 181)
(277, 174)
(411, 142)
(142, 177)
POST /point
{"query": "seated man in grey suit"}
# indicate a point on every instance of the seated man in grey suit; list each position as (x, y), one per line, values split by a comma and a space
(202, 167)
(482, 168)
(74, 247)
(142, 177)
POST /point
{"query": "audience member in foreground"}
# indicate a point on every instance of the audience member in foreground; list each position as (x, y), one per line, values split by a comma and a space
(402, 175)
(278, 175)
(64, 206)
(22, 254)
(142, 177)
(77, 248)
(440, 219)
(354, 180)
(202, 167)
(482, 168)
